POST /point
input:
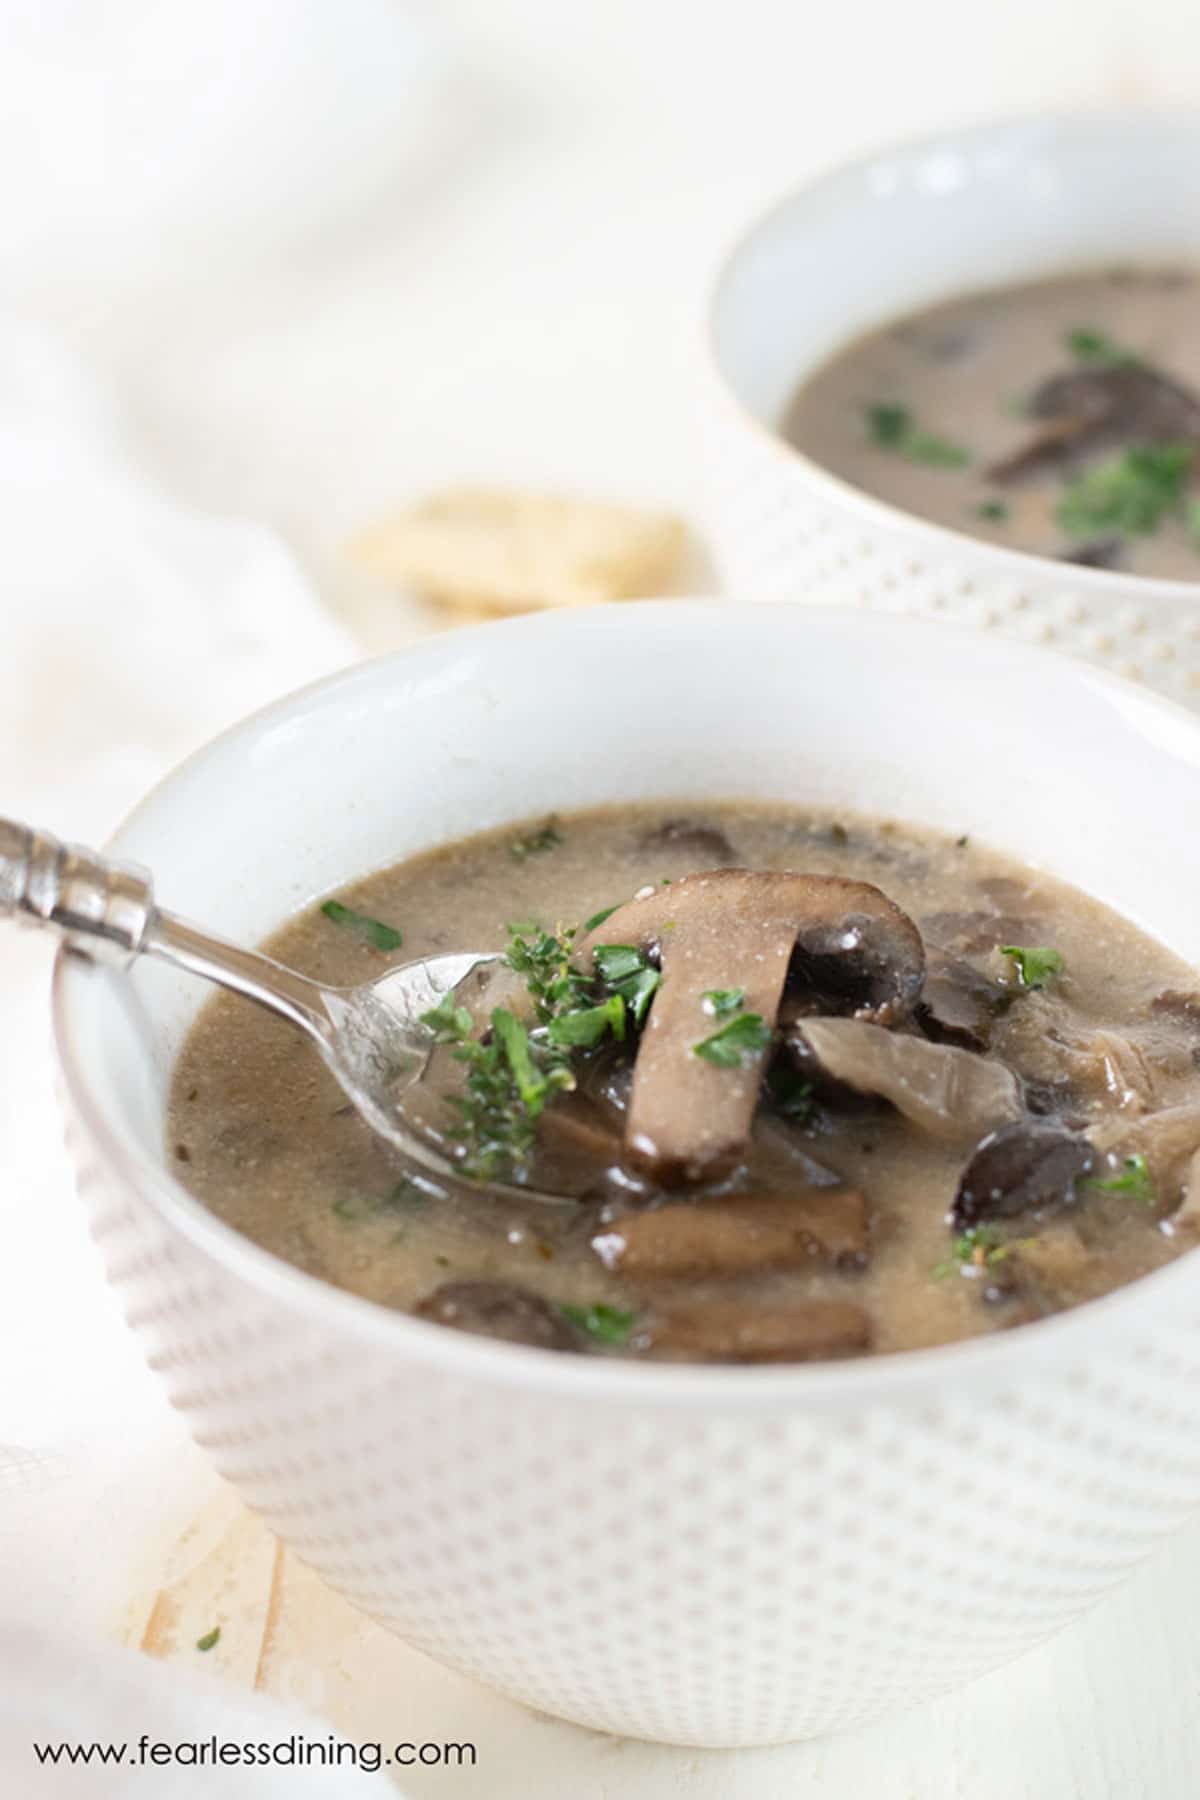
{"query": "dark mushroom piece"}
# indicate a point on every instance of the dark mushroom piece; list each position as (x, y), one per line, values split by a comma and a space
(972, 933)
(950, 1094)
(498, 1309)
(742, 1235)
(1100, 553)
(745, 1331)
(707, 845)
(959, 1004)
(1091, 409)
(734, 929)
(1026, 1168)
(1178, 1004)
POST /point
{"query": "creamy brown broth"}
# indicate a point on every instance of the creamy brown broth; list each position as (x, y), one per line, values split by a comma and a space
(260, 1132)
(975, 374)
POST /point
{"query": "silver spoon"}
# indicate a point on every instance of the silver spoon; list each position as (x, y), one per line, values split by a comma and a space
(371, 1037)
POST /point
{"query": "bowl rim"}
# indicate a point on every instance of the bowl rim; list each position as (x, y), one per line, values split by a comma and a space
(1020, 565)
(814, 1386)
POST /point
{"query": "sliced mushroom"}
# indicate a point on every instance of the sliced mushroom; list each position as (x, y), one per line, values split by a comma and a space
(706, 845)
(689, 1119)
(1049, 444)
(1100, 553)
(575, 1126)
(973, 933)
(1179, 1004)
(746, 1331)
(738, 1236)
(959, 1004)
(1091, 409)
(951, 1094)
(498, 1309)
(1166, 1139)
(1030, 1167)
(1043, 1040)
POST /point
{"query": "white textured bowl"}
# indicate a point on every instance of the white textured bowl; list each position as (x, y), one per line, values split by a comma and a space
(703, 1555)
(900, 230)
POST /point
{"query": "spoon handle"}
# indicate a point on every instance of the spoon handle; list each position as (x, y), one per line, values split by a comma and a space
(103, 907)
(107, 909)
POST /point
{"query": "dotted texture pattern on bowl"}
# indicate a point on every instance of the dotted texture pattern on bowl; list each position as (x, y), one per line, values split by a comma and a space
(778, 535)
(719, 1576)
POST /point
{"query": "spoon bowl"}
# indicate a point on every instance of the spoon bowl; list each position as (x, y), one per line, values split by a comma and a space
(371, 1037)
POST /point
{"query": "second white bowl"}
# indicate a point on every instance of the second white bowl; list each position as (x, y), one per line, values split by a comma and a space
(901, 230)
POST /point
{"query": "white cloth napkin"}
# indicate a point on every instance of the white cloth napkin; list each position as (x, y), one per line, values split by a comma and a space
(130, 631)
(57, 1694)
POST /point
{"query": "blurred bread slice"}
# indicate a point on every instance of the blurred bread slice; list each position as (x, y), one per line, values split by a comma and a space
(487, 551)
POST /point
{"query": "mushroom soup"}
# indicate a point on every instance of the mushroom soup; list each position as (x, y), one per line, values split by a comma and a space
(1061, 417)
(813, 1087)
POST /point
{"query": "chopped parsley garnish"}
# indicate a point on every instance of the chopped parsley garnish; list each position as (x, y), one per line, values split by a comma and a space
(998, 511)
(1134, 1179)
(617, 962)
(894, 428)
(376, 933)
(583, 1029)
(1095, 347)
(508, 1083)
(745, 1037)
(537, 842)
(514, 1070)
(606, 912)
(1130, 494)
(1036, 967)
(979, 1248)
(624, 970)
(722, 1003)
(210, 1640)
(606, 1324)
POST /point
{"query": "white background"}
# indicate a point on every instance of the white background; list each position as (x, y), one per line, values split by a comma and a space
(322, 264)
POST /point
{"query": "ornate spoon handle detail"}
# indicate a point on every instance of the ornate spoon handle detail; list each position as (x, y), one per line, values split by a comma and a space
(103, 907)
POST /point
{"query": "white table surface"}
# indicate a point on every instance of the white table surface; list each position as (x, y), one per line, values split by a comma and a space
(524, 307)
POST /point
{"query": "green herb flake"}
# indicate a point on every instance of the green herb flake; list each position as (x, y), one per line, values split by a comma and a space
(616, 962)
(597, 919)
(997, 511)
(1129, 494)
(375, 932)
(1192, 520)
(979, 1248)
(1036, 967)
(210, 1640)
(536, 843)
(894, 428)
(605, 1324)
(583, 1030)
(722, 1003)
(738, 1043)
(448, 1021)
(1098, 349)
(1134, 1179)
(624, 969)
(513, 1039)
